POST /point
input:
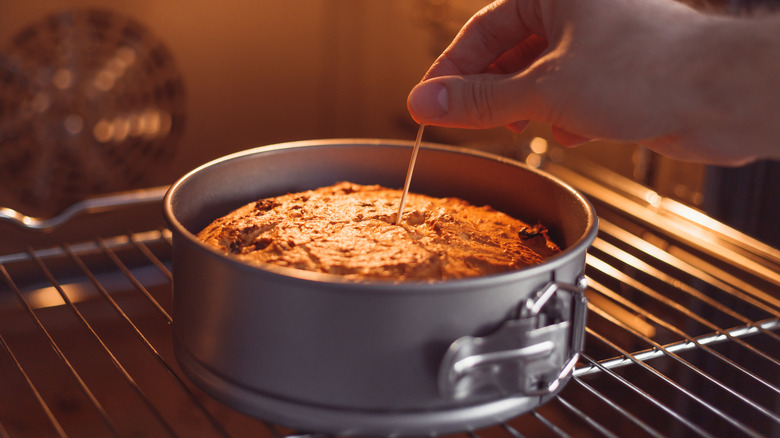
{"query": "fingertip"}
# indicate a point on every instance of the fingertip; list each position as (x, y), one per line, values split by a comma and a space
(428, 101)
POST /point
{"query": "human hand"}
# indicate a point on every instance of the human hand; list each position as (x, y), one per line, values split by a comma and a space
(644, 71)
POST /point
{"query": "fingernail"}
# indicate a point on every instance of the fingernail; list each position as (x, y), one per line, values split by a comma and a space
(429, 100)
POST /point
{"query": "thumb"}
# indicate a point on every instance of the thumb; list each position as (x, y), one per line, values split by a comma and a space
(473, 101)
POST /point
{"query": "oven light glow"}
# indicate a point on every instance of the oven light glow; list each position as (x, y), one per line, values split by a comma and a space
(533, 160)
(41, 102)
(149, 124)
(50, 296)
(653, 199)
(538, 145)
(104, 81)
(74, 123)
(62, 79)
(121, 128)
(114, 68)
(628, 318)
(103, 131)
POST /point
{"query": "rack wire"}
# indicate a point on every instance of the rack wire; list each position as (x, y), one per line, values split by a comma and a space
(682, 336)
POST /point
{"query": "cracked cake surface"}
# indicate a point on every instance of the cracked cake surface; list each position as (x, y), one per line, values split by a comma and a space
(349, 230)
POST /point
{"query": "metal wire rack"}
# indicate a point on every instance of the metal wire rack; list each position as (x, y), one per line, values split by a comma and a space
(682, 336)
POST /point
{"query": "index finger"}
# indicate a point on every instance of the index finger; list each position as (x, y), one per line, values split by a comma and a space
(491, 32)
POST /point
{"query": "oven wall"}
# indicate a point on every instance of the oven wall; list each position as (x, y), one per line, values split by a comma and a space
(257, 72)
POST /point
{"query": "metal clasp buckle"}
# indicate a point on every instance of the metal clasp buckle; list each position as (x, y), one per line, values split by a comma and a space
(529, 355)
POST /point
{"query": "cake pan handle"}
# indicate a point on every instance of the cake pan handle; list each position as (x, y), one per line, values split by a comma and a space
(529, 355)
(96, 204)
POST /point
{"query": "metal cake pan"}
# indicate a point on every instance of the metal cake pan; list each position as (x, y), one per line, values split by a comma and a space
(315, 352)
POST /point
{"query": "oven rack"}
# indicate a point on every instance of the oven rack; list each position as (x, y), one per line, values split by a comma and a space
(682, 339)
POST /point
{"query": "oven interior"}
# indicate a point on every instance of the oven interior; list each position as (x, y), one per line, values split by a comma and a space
(683, 328)
(681, 340)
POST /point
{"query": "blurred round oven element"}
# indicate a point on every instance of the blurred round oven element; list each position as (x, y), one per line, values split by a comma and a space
(90, 102)
(318, 353)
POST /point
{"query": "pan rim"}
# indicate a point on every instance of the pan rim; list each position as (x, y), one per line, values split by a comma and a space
(576, 249)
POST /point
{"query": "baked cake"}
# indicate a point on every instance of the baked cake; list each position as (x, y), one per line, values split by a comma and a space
(349, 230)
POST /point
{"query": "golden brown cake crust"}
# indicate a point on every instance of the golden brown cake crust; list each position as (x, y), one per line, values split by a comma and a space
(349, 230)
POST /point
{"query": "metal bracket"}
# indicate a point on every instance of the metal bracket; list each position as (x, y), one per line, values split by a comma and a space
(529, 355)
